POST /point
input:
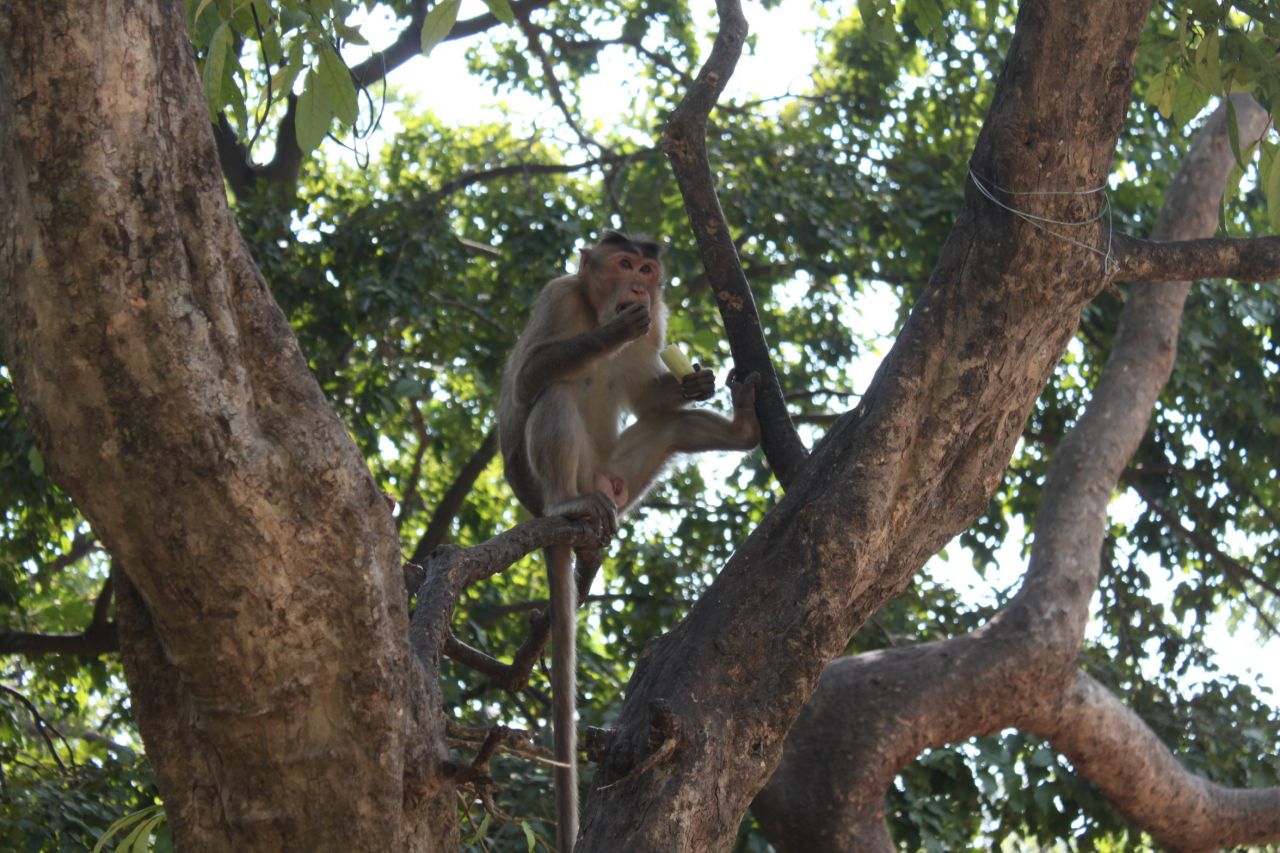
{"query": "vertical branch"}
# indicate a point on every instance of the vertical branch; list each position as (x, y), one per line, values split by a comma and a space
(685, 145)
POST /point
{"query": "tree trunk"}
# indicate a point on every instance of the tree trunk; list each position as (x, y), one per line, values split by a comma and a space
(1021, 669)
(263, 617)
(706, 710)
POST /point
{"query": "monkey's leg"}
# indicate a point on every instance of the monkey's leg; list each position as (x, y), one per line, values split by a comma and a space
(564, 461)
(555, 443)
(645, 447)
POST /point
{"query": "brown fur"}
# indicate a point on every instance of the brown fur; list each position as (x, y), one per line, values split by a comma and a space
(588, 354)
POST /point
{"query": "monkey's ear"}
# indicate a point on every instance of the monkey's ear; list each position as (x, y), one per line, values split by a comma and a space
(584, 258)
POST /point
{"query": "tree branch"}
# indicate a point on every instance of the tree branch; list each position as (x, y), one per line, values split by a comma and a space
(408, 43)
(1242, 258)
(81, 546)
(685, 144)
(282, 171)
(93, 642)
(1230, 565)
(1114, 749)
(554, 88)
(450, 569)
(1021, 667)
(98, 639)
(42, 727)
(893, 481)
(410, 497)
(468, 178)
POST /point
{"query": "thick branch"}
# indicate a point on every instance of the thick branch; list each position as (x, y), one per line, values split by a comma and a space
(1114, 749)
(268, 602)
(686, 147)
(1243, 259)
(451, 569)
(94, 642)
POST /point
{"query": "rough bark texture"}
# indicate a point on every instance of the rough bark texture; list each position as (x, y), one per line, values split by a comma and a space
(898, 477)
(1021, 668)
(263, 616)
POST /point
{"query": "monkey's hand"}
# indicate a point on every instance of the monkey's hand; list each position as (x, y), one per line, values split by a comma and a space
(743, 391)
(699, 385)
(596, 507)
(631, 322)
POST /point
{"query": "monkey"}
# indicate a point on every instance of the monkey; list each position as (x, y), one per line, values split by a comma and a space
(589, 354)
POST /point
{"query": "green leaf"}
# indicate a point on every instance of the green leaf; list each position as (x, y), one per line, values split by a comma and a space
(1044, 798)
(529, 838)
(35, 462)
(1271, 190)
(215, 62)
(124, 823)
(139, 839)
(482, 830)
(349, 34)
(338, 86)
(1208, 63)
(501, 10)
(283, 84)
(1234, 177)
(164, 839)
(1043, 757)
(314, 115)
(407, 387)
(1160, 93)
(928, 15)
(1189, 99)
(438, 23)
(200, 10)
(1233, 132)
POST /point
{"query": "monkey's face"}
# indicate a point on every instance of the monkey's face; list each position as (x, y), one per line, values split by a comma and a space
(627, 278)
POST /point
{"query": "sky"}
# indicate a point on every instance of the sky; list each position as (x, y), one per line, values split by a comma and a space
(780, 63)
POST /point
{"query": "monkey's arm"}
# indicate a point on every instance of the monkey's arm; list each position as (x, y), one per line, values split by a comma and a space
(569, 359)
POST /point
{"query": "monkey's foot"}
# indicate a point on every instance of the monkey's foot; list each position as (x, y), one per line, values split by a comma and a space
(743, 391)
(597, 507)
(745, 423)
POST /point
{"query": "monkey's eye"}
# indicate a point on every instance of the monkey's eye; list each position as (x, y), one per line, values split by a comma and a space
(646, 268)
(626, 263)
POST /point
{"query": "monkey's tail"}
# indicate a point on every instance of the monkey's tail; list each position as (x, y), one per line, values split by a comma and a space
(564, 692)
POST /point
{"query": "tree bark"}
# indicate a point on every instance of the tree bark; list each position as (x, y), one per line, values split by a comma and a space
(263, 619)
(1021, 668)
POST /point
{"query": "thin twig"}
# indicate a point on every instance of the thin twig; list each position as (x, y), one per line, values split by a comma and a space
(41, 726)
